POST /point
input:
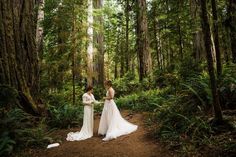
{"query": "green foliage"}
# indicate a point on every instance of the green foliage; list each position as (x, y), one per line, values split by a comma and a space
(228, 87)
(37, 136)
(59, 43)
(164, 79)
(6, 144)
(8, 95)
(99, 92)
(196, 91)
(62, 114)
(65, 115)
(18, 130)
(126, 84)
(177, 126)
(142, 101)
(182, 119)
(189, 68)
(179, 112)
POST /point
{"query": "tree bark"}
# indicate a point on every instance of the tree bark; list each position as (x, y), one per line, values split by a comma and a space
(127, 53)
(216, 38)
(39, 39)
(18, 55)
(144, 54)
(99, 38)
(156, 36)
(90, 44)
(198, 41)
(207, 39)
(232, 22)
(180, 41)
(180, 31)
(122, 56)
(74, 51)
(39, 31)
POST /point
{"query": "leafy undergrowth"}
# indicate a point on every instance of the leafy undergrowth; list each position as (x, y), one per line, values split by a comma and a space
(182, 116)
(20, 130)
(179, 105)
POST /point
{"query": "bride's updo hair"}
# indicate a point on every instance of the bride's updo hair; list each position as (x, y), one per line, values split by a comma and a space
(108, 83)
(88, 88)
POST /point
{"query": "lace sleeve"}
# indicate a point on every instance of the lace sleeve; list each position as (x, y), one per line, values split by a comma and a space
(86, 101)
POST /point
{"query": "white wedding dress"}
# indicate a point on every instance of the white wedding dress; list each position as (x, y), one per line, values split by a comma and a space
(87, 128)
(112, 124)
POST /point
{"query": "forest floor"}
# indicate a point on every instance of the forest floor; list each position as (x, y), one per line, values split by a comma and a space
(137, 144)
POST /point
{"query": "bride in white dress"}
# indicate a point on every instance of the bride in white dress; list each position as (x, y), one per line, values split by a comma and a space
(112, 125)
(87, 128)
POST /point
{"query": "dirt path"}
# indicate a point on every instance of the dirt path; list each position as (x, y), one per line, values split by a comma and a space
(136, 144)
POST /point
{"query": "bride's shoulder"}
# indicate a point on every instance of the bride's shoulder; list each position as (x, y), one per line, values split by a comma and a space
(111, 89)
(85, 95)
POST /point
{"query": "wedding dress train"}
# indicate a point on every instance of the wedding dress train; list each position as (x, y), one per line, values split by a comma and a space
(112, 124)
(87, 128)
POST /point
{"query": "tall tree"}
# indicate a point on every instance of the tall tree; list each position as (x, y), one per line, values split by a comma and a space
(207, 39)
(90, 44)
(216, 37)
(197, 35)
(18, 55)
(127, 53)
(142, 40)
(99, 37)
(74, 52)
(156, 34)
(180, 6)
(232, 22)
(39, 31)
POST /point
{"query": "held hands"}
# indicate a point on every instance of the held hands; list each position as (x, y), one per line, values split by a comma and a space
(95, 102)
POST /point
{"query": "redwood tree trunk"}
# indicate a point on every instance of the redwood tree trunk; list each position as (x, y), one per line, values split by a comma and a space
(99, 38)
(198, 43)
(127, 53)
(232, 20)
(122, 56)
(18, 55)
(74, 53)
(90, 52)
(142, 40)
(180, 5)
(216, 37)
(180, 41)
(207, 39)
(156, 36)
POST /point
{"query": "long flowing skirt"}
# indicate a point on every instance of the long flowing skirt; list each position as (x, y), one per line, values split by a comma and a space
(87, 128)
(112, 124)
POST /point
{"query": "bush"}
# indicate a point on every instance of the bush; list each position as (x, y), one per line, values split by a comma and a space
(180, 128)
(99, 92)
(228, 87)
(164, 79)
(126, 85)
(18, 130)
(179, 112)
(183, 122)
(64, 116)
(37, 136)
(142, 101)
(63, 96)
(6, 144)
